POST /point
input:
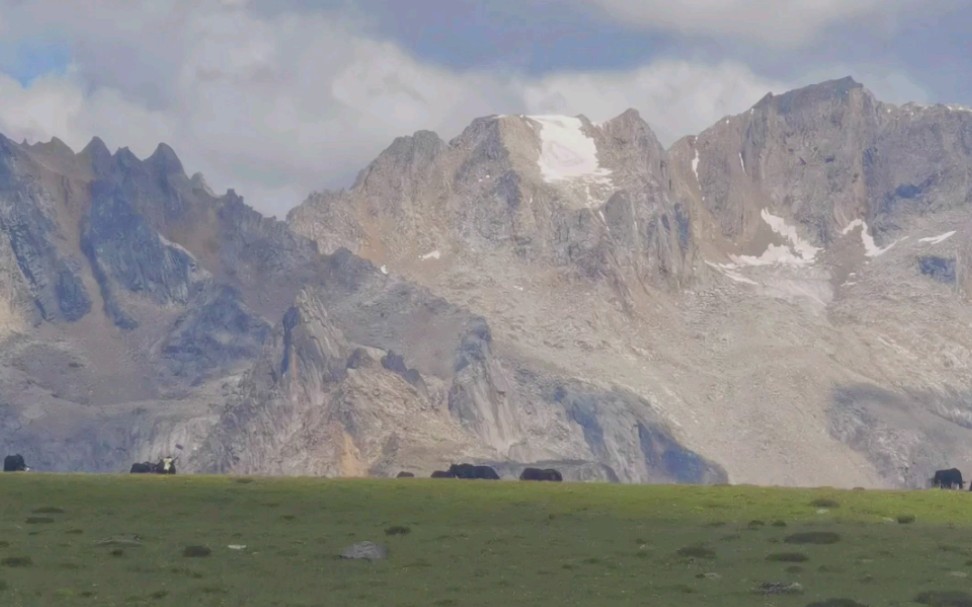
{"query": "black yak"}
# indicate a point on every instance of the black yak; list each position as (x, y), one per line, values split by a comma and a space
(536, 474)
(471, 471)
(14, 463)
(948, 479)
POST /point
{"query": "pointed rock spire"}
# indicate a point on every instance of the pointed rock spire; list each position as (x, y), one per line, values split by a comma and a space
(165, 160)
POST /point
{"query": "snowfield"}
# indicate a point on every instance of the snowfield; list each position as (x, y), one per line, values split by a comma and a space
(566, 152)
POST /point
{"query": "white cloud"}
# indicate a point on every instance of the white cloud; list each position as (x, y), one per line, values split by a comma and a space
(783, 23)
(276, 106)
(675, 97)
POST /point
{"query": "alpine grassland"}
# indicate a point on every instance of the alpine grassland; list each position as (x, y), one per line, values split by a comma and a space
(155, 540)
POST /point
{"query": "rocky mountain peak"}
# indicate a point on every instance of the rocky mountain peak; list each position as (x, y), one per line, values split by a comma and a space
(55, 148)
(405, 157)
(830, 91)
(165, 161)
(97, 154)
(630, 121)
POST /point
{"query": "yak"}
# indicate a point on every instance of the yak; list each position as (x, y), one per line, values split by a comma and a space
(536, 474)
(166, 465)
(404, 474)
(948, 479)
(471, 471)
(14, 463)
(443, 474)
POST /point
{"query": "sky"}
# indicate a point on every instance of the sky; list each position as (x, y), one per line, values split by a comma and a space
(279, 98)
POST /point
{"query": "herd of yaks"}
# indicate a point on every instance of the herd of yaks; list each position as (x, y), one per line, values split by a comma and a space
(166, 465)
(488, 473)
(950, 478)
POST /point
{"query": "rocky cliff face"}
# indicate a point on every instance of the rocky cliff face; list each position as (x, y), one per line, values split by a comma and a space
(785, 288)
(130, 295)
(780, 299)
(549, 191)
(857, 210)
(144, 315)
(372, 398)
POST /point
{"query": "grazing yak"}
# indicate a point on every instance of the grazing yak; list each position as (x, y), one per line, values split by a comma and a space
(471, 471)
(536, 474)
(14, 463)
(142, 468)
(404, 474)
(948, 479)
(166, 465)
(443, 474)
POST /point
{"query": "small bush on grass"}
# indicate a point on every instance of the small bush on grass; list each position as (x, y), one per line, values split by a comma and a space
(813, 537)
(944, 598)
(196, 551)
(788, 557)
(824, 502)
(697, 552)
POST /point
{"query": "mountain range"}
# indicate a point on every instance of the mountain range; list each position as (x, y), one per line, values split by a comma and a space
(779, 299)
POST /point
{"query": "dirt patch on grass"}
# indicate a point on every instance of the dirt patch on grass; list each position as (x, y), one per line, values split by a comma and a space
(813, 537)
(397, 530)
(944, 598)
(788, 557)
(696, 552)
(196, 551)
(825, 502)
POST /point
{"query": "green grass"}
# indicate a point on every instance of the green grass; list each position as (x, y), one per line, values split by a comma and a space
(119, 540)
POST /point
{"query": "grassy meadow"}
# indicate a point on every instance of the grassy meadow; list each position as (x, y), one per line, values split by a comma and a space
(105, 540)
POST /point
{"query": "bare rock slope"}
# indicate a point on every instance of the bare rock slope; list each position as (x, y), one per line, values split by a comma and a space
(787, 289)
(143, 315)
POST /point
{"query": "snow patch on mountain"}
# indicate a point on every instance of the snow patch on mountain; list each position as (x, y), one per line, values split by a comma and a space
(937, 239)
(566, 152)
(728, 270)
(870, 247)
(796, 252)
(176, 246)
